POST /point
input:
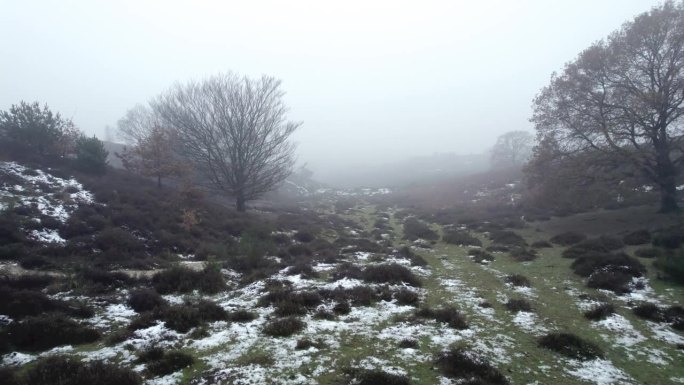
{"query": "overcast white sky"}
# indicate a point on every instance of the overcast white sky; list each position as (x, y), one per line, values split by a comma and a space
(372, 81)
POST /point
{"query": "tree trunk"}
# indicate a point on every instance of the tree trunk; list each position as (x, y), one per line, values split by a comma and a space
(668, 197)
(667, 181)
(240, 202)
(158, 181)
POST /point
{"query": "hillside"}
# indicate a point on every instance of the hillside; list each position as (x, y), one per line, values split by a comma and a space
(113, 277)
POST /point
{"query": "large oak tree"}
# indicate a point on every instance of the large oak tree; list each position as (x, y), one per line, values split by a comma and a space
(233, 130)
(622, 97)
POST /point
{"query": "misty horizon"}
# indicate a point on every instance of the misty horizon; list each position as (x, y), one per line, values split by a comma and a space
(373, 84)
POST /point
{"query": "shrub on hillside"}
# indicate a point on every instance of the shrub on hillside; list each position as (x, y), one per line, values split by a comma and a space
(354, 245)
(18, 304)
(588, 264)
(58, 370)
(414, 229)
(96, 280)
(448, 315)
(91, 155)
(568, 238)
(161, 363)
(391, 273)
(27, 281)
(35, 334)
(461, 238)
(373, 377)
(639, 237)
(468, 368)
(517, 305)
(649, 311)
(522, 254)
(304, 236)
(283, 327)
(506, 237)
(601, 244)
(406, 297)
(407, 253)
(180, 279)
(518, 280)
(142, 300)
(600, 312)
(480, 256)
(242, 315)
(611, 278)
(571, 346)
(541, 245)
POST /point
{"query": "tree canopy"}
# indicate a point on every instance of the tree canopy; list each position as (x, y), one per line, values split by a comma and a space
(233, 130)
(622, 99)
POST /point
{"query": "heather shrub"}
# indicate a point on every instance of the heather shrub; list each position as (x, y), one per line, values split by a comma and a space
(571, 346)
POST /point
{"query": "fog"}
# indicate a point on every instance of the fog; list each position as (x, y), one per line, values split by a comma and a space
(373, 82)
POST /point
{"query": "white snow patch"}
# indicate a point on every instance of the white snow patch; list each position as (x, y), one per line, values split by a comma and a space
(600, 372)
(529, 322)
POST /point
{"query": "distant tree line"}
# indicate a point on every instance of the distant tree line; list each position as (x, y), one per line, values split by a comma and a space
(29, 132)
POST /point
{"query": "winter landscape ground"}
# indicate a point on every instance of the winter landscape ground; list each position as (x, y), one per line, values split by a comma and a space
(346, 289)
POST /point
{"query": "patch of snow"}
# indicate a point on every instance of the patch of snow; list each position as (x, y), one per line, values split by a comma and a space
(47, 236)
(600, 372)
(626, 334)
(529, 322)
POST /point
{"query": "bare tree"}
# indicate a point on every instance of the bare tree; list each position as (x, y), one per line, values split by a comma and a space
(513, 148)
(234, 131)
(151, 147)
(623, 97)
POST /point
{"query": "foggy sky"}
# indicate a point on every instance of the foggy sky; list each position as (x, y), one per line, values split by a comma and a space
(372, 81)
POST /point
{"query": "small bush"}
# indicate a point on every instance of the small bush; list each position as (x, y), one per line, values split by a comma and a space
(468, 368)
(22, 303)
(599, 312)
(417, 229)
(169, 362)
(612, 278)
(406, 297)
(522, 254)
(408, 343)
(571, 346)
(568, 238)
(99, 281)
(145, 300)
(58, 370)
(374, 377)
(518, 280)
(27, 281)
(639, 237)
(8, 376)
(44, 332)
(283, 327)
(391, 273)
(649, 311)
(304, 236)
(505, 237)
(180, 279)
(541, 245)
(595, 245)
(498, 249)
(516, 305)
(590, 263)
(306, 344)
(449, 315)
(341, 308)
(242, 315)
(461, 238)
(289, 308)
(407, 253)
(480, 256)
